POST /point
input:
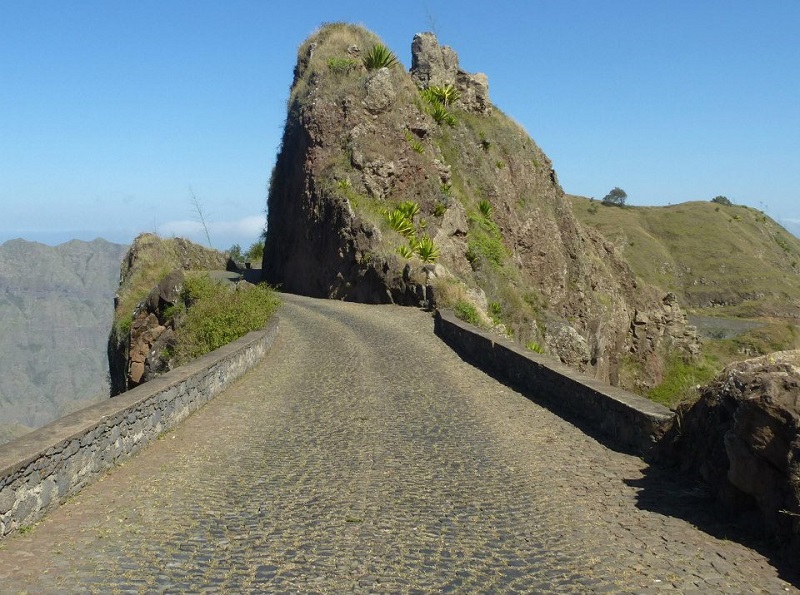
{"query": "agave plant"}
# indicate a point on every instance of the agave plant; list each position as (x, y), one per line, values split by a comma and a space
(426, 249)
(379, 56)
(445, 95)
(398, 221)
(408, 208)
(440, 114)
(405, 251)
(485, 209)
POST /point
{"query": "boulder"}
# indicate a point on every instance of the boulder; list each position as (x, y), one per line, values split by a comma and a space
(431, 63)
(380, 92)
(742, 437)
(567, 343)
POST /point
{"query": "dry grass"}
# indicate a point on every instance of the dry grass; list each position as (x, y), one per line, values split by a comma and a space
(153, 259)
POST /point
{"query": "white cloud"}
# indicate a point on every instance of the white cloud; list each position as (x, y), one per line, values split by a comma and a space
(223, 234)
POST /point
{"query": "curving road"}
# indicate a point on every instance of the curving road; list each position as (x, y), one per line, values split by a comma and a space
(364, 456)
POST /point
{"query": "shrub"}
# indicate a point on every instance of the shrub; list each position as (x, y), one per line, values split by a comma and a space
(534, 346)
(408, 208)
(680, 381)
(484, 241)
(722, 200)
(414, 142)
(485, 209)
(220, 313)
(255, 252)
(379, 56)
(440, 114)
(341, 66)
(466, 312)
(446, 95)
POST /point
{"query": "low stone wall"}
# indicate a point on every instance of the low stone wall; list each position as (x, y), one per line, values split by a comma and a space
(42, 469)
(630, 422)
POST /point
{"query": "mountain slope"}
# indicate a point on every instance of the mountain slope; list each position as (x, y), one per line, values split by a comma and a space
(56, 304)
(363, 145)
(729, 257)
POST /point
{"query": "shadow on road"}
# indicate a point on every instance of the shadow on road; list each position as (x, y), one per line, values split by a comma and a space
(666, 491)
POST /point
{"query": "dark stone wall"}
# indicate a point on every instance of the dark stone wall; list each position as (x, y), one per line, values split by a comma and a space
(624, 420)
(42, 469)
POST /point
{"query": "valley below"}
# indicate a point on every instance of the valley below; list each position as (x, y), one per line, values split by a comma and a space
(56, 307)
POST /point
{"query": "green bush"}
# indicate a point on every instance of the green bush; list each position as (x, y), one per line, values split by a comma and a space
(220, 313)
(440, 114)
(680, 381)
(399, 222)
(408, 208)
(484, 241)
(466, 312)
(534, 346)
(341, 66)
(445, 95)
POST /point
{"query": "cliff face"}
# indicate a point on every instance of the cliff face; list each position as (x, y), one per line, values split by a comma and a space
(359, 142)
(55, 308)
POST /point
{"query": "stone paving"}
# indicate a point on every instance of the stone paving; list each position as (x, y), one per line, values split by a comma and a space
(364, 456)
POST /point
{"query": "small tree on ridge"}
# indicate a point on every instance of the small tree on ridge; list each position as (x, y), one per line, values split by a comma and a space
(615, 197)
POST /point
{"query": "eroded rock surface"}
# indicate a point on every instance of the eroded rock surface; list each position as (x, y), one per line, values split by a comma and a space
(742, 437)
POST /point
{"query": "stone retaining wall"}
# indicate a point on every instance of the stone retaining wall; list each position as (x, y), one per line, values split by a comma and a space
(631, 423)
(42, 469)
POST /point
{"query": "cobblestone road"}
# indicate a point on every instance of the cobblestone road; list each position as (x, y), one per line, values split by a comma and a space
(364, 456)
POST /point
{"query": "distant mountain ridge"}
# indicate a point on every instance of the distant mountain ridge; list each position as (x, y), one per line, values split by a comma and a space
(56, 307)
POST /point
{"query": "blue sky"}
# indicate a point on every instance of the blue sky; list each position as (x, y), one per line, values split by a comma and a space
(113, 114)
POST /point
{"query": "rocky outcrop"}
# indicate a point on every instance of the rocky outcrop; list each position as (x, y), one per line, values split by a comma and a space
(436, 65)
(357, 144)
(153, 330)
(742, 437)
(146, 306)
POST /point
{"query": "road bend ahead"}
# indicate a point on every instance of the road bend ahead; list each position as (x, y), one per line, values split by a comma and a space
(364, 456)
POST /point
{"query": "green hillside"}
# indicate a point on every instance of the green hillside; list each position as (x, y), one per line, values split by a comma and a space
(732, 260)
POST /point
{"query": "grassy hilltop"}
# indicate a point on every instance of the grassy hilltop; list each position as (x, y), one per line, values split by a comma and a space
(733, 259)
